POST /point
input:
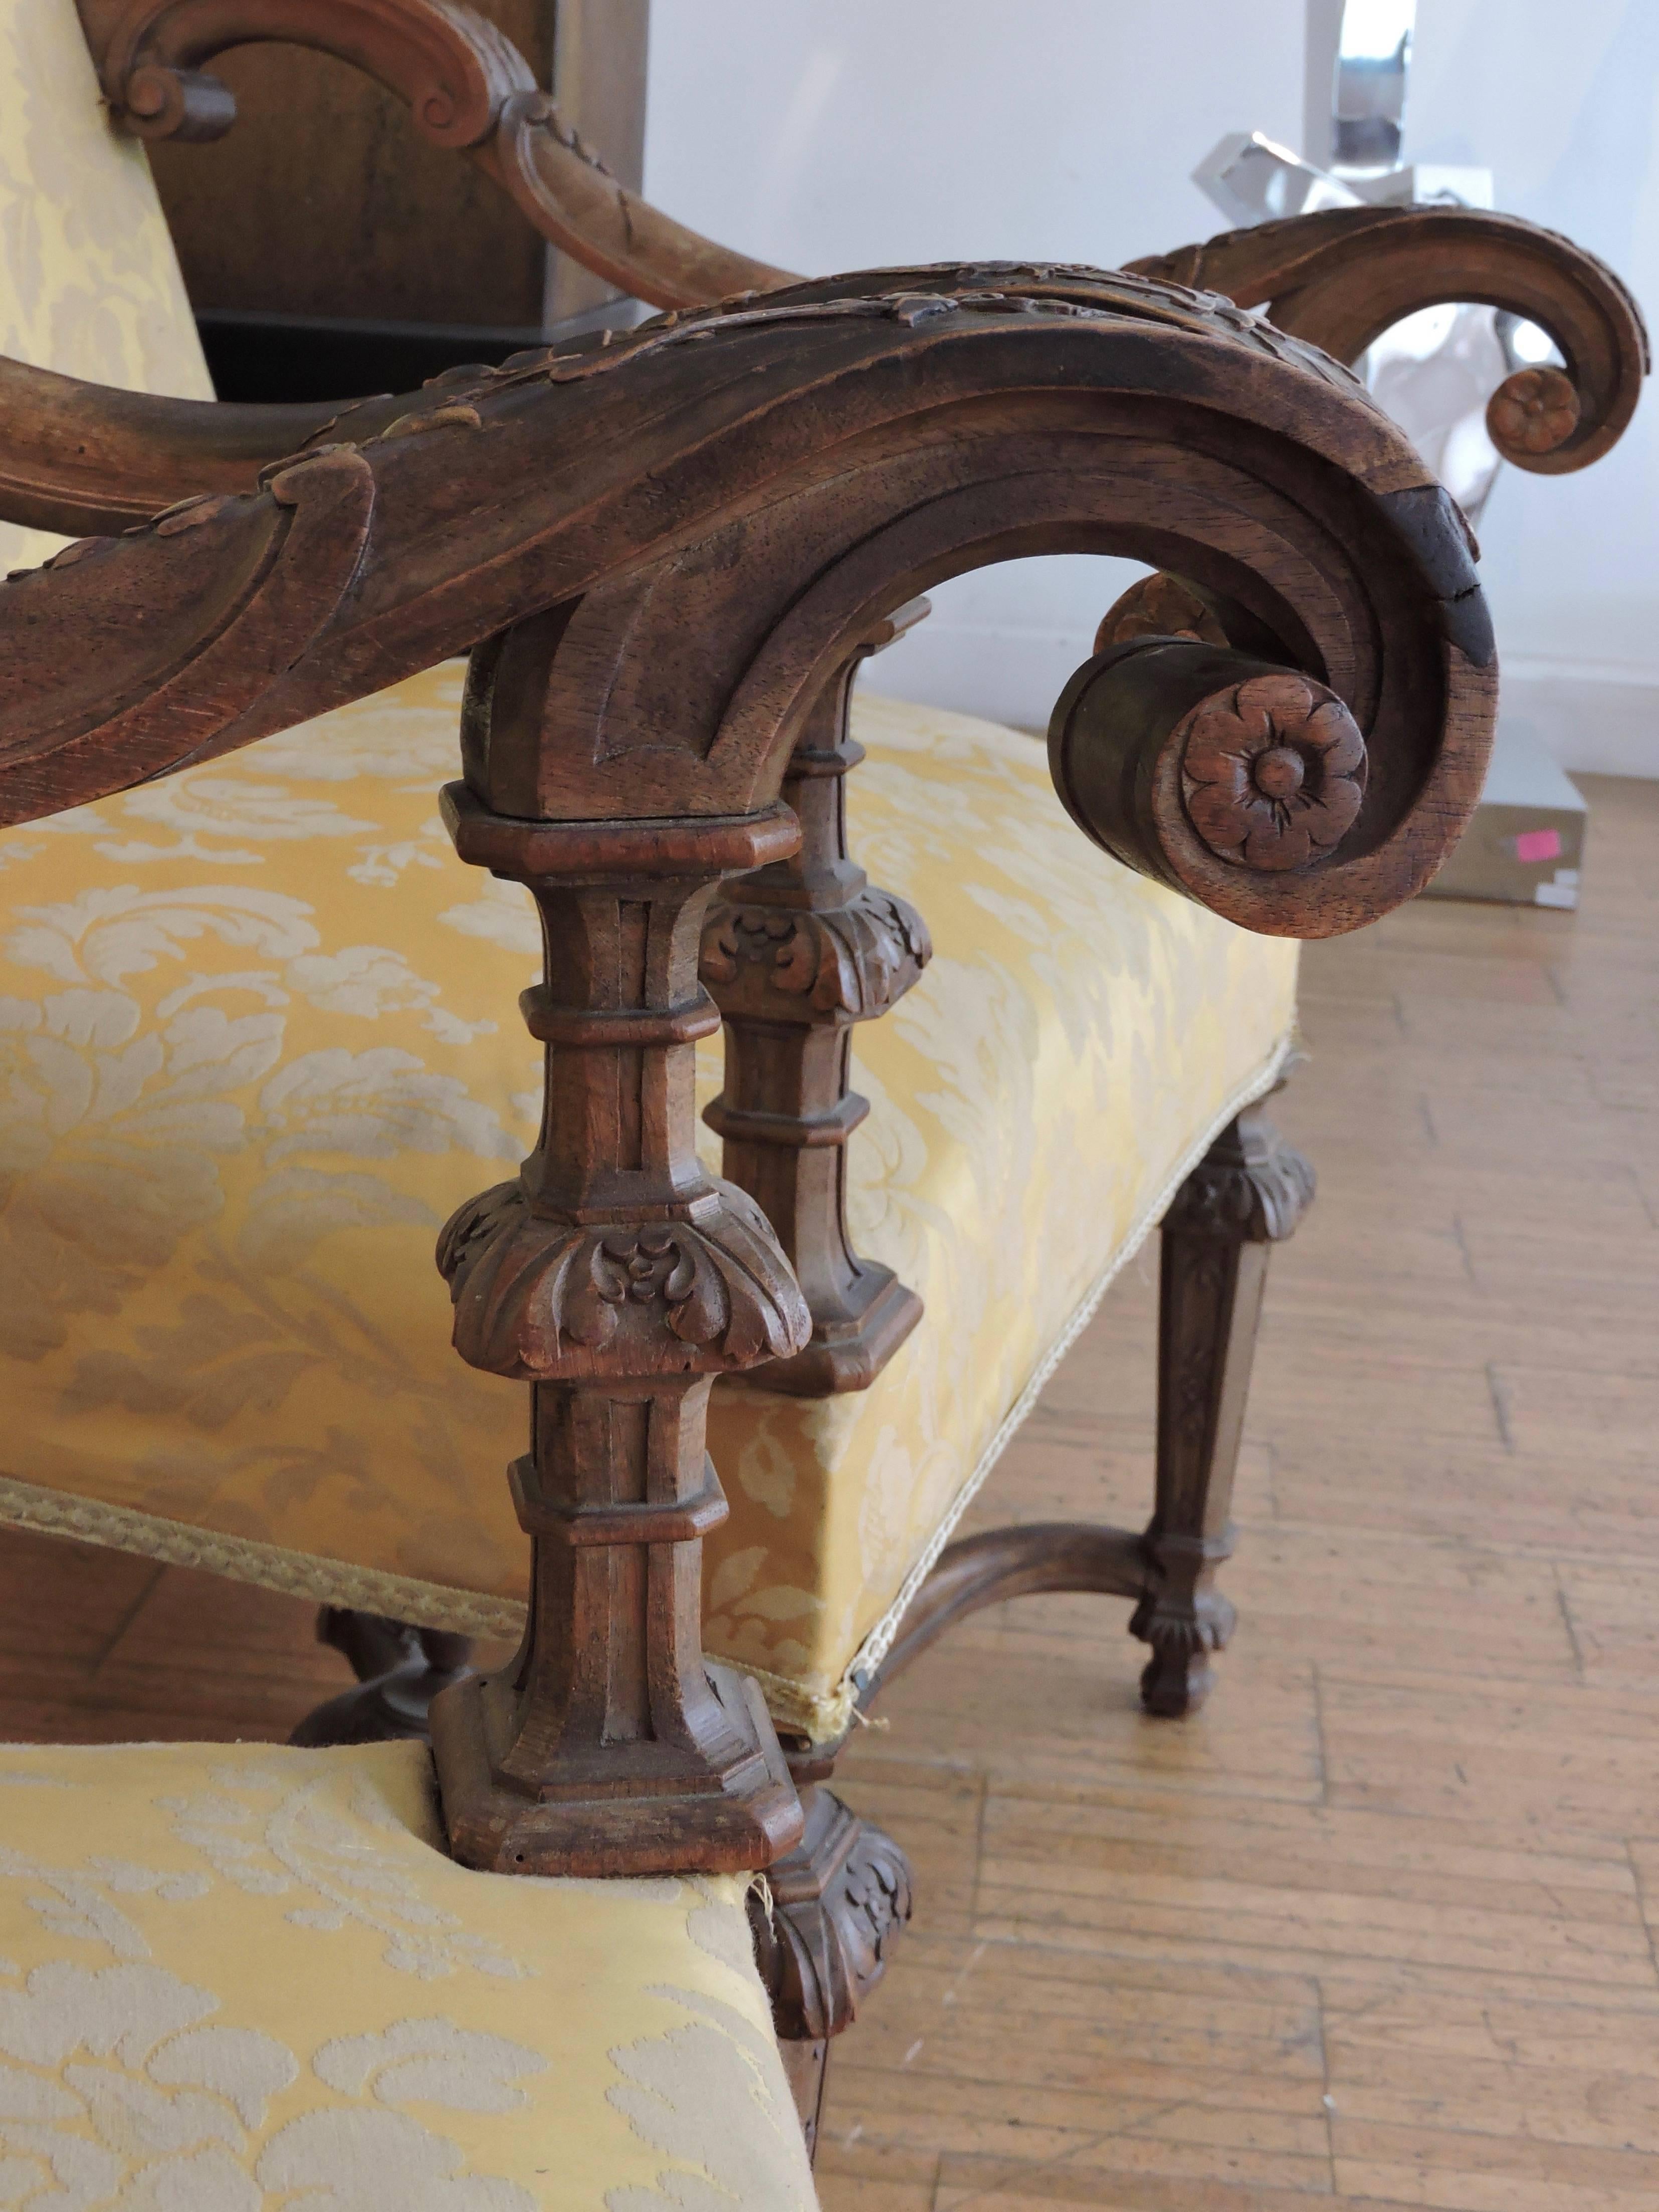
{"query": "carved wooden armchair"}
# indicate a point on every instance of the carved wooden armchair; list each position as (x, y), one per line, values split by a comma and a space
(257, 1028)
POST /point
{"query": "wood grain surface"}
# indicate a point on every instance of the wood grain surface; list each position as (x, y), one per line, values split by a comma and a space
(1409, 1856)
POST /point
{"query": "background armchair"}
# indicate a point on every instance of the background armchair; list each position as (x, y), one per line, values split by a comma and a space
(1312, 540)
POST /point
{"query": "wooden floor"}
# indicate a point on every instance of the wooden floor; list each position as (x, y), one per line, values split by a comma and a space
(1380, 1924)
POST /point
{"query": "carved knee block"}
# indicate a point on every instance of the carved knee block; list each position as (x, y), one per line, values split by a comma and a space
(1250, 1190)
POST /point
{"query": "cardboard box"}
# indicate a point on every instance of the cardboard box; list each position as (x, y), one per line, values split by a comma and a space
(1525, 846)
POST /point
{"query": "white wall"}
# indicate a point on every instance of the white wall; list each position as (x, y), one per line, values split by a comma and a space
(844, 133)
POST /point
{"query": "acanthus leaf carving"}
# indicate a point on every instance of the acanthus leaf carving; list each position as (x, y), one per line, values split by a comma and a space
(838, 1903)
(855, 960)
(541, 1299)
(1252, 1187)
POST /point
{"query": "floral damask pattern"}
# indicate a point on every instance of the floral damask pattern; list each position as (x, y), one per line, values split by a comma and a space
(88, 283)
(258, 1039)
(177, 2035)
(246, 1071)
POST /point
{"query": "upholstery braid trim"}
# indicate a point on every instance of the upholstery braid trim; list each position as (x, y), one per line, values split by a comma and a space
(244, 1560)
(827, 1718)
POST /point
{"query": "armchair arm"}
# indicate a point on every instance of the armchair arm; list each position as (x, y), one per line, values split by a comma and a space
(1065, 409)
(1337, 279)
(1342, 278)
(663, 556)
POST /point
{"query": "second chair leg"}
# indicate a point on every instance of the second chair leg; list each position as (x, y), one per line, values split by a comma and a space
(1250, 1190)
(400, 1668)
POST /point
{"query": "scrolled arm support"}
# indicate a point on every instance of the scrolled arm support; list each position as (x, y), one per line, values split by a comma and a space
(662, 554)
(1342, 278)
(1174, 755)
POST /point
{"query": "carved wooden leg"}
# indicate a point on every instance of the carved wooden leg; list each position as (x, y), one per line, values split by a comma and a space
(619, 1279)
(1250, 1190)
(793, 956)
(400, 1669)
(837, 1904)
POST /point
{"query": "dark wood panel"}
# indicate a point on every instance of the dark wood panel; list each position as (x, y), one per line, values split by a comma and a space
(326, 200)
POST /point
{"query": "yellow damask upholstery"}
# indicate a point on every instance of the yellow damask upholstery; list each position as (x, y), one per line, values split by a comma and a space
(88, 283)
(236, 1977)
(258, 1035)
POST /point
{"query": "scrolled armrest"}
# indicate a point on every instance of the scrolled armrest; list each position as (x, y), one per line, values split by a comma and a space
(1340, 279)
(1187, 761)
(663, 550)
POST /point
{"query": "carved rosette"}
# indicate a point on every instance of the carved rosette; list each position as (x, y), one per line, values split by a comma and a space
(1534, 411)
(855, 960)
(1273, 771)
(837, 1903)
(1250, 1187)
(538, 1300)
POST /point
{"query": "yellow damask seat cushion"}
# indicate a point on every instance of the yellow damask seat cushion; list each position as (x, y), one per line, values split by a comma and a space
(239, 1976)
(258, 1037)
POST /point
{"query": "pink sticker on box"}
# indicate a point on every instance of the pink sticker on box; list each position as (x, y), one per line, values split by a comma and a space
(1538, 845)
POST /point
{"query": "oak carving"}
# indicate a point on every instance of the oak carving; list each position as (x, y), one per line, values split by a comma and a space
(467, 87)
(794, 955)
(1310, 774)
(1273, 771)
(664, 556)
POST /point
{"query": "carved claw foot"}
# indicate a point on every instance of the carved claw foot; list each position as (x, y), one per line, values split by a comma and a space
(838, 1902)
(399, 1670)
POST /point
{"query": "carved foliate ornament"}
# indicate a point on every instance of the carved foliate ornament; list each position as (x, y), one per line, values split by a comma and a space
(837, 1903)
(1251, 1186)
(1273, 771)
(854, 960)
(538, 1300)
